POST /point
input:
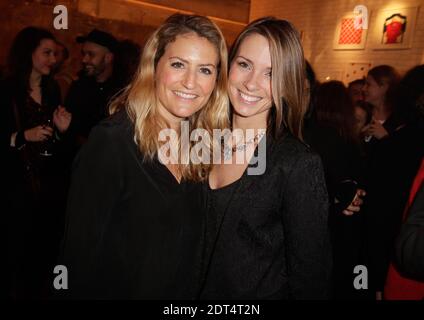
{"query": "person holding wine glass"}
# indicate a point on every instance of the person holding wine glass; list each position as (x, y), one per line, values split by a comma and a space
(35, 184)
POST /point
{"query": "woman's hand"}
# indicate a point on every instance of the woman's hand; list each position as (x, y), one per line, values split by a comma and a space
(376, 130)
(38, 134)
(62, 119)
(355, 205)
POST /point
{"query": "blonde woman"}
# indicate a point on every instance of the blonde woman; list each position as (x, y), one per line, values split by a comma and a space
(134, 227)
(271, 230)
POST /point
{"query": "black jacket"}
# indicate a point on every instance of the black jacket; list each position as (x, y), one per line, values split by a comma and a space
(274, 242)
(410, 243)
(88, 101)
(132, 231)
(392, 163)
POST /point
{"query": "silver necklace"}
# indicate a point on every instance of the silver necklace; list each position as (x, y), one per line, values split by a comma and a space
(228, 151)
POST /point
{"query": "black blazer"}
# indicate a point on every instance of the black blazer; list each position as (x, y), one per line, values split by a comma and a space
(274, 242)
(132, 231)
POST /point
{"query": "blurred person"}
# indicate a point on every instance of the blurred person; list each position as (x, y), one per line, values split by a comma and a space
(337, 142)
(323, 139)
(33, 134)
(127, 60)
(393, 155)
(60, 70)
(379, 91)
(410, 244)
(363, 117)
(405, 280)
(90, 94)
(355, 90)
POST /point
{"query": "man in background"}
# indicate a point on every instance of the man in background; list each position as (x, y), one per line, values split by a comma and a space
(98, 82)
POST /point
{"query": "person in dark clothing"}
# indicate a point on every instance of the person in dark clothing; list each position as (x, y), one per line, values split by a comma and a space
(330, 131)
(410, 243)
(405, 279)
(268, 233)
(61, 71)
(400, 283)
(135, 223)
(127, 60)
(89, 96)
(394, 153)
(33, 126)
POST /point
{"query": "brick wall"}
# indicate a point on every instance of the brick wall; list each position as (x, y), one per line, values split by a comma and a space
(134, 19)
(318, 20)
(126, 19)
(18, 14)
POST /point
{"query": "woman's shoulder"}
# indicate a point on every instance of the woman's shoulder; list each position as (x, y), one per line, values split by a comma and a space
(288, 146)
(119, 121)
(289, 152)
(113, 129)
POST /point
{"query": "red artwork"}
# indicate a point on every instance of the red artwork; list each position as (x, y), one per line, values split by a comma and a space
(394, 29)
(348, 33)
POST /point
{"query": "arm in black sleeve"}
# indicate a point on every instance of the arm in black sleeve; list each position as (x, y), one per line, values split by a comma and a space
(305, 215)
(410, 243)
(95, 188)
(7, 117)
(72, 106)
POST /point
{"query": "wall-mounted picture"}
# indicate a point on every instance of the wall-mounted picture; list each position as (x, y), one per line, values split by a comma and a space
(348, 35)
(394, 28)
(355, 70)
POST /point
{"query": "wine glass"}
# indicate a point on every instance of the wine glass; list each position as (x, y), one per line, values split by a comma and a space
(47, 145)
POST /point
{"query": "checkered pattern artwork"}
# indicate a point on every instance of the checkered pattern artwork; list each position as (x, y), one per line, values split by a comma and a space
(348, 33)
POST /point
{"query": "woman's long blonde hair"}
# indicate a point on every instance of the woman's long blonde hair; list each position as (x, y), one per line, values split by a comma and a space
(140, 100)
(288, 72)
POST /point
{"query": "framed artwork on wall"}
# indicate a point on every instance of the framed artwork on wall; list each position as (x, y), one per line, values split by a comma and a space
(348, 36)
(394, 28)
(355, 70)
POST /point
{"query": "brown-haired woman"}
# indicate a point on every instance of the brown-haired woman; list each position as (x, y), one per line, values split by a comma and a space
(134, 227)
(379, 91)
(32, 134)
(270, 225)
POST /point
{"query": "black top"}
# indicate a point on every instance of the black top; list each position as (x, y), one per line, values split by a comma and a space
(217, 202)
(132, 231)
(273, 241)
(34, 186)
(88, 100)
(19, 113)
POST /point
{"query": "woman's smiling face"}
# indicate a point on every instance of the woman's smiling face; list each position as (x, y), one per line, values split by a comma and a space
(249, 81)
(186, 76)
